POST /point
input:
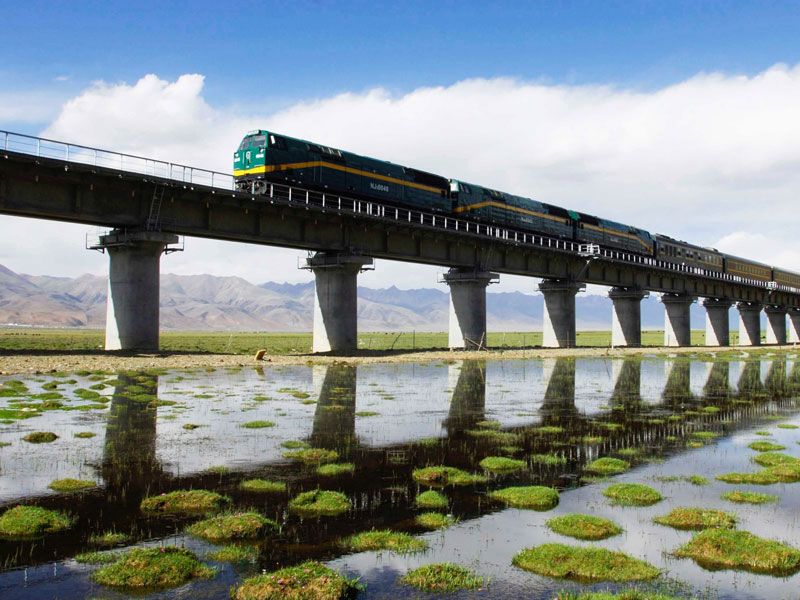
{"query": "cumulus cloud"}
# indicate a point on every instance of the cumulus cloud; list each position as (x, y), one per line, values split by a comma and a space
(700, 159)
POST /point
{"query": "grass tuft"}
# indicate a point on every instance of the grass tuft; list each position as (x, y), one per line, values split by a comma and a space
(625, 595)
(335, 469)
(312, 456)
(319, 503)
(787, 426)
(501, 464)
(583, 564)
(632, 494)
(262, 486)
(98, 558)
(744, 497)
(85, 435)
(535, 497)
(722, 549)
(443, 476)
(188, 502)
(71, 485)
(258, 424)
(696, 519)
(109, 539)
(584, 527)
(383, 539)
(434, 520)
(765, 446)
(295, 444)
(432, 499)
(608, 466)
(771, 459)
(308, 581)
(442, 577)
(234, 553)
(32, 521)
(234, 526)
(40, 437)
(152, 568)
(758, 478)
(550, 460)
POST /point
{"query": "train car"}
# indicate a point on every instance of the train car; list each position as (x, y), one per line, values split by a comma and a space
(786, 278)
(507, 210)
(264, 157)
(747, 269)
(683, 253)
(610, 234)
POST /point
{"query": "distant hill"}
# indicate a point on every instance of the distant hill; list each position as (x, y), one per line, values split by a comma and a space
(207, 302)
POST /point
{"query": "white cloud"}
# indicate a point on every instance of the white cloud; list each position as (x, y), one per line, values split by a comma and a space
(699, 159)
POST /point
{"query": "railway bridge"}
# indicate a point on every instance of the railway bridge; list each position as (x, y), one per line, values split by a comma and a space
(148, 204)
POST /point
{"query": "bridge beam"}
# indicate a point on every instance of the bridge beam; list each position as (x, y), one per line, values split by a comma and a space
(335, 300)
(776, 324)
(677, 320)
(468, 307)
(559, 312)
(749, 323)
(132, 307)
(794, 326)
(718, 328)
(626, 316)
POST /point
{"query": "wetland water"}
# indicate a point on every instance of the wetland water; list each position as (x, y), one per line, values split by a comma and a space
(388, 419)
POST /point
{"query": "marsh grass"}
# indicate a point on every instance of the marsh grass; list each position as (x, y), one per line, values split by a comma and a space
(104, 557)
(335, 469)
(550, 460)
(624, 595)
(765, 446)
(152, 568)
(234, 553)
(295, 445)
(432, 500)
(535, 497)
(442, 476)
(583, 564)
(772, 459)
(741, 550)
(787, 426)
(71, 485)
(705, 435)
(442, 578)
(312, 456)
(258, 424)
(696, 519)
(32, 521)
(758, 478)
(501, 464)
(40, 437)
(188, 502)
(745, 497)
(383, 539)
(263, 486)
(434, 520)
(318, 503)
(109, 539)
(84, 434)
(584, 527)
(367, 413)
(306, 581)
(608, 466)
(501, 438)
(233, 526)
(632, 494)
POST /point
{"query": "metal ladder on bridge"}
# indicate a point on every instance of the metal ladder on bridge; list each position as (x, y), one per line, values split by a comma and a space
(154, 218)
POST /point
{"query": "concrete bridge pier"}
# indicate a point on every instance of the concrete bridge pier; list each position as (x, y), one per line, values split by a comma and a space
(776, 324)
(718, 329)
(133, 288)
(626, 316)
(677, 320)
(749, 323)
(794, 326)
(468, 307)
(559, 312)
(335, 300)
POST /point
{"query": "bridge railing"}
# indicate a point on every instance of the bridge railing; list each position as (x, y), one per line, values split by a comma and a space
(290, 195)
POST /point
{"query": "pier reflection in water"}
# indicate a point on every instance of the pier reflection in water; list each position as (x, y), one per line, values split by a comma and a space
(185, 430)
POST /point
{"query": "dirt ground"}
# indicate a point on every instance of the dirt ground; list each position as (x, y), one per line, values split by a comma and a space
(31, 362)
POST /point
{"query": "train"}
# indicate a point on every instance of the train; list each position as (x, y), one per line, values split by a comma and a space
(265, 157)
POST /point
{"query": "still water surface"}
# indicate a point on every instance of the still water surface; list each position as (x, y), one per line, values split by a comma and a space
(387, 420)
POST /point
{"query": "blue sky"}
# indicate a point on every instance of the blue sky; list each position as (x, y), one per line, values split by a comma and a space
(678, 117)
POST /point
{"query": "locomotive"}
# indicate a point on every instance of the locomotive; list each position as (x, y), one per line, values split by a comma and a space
(265, 157)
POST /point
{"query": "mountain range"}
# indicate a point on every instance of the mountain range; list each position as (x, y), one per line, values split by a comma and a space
(207, 302)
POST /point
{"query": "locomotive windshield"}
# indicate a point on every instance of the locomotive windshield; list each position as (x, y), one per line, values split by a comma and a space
(251, 141)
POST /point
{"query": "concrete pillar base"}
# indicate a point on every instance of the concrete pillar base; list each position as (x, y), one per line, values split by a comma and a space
(133, 288)
(559, 312)
(718, 330)
(468, 307)
(776, 324)
(335, 301)
(677, 321)
(794, 326)
(626, 316)
(749, 323)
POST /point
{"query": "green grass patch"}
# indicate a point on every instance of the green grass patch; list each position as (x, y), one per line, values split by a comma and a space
(187, 502)
(787, 426)
(85, 435)
(109, 539)
(744, 497)
(741, 550)
(705, 435)
(295, 445)
(319, 503)
(71, 485)
(335, 469)
(757, 478)
(584, 527)
(367, 413)
(501, 464)
(626, 595)
(98, 558)
(763, 433)
(234, 526)
(608, 466)
(765, 446)
(488, 424)
(40, 437)
(432, 500)
(583, 564)
(771, 459)
(501, 438)
(262, 486)
(312, 456)
(697, 480)
(550, 460)
(696, 519)
(258, 424)
(402, 543)
(307, 581)
(32, 521)
(444, 476)
(434, 520)
(786, 472)
(442, 578)
(191, 426)
(536, 497)
(234, 553)
(152, 568)
(632, 494)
